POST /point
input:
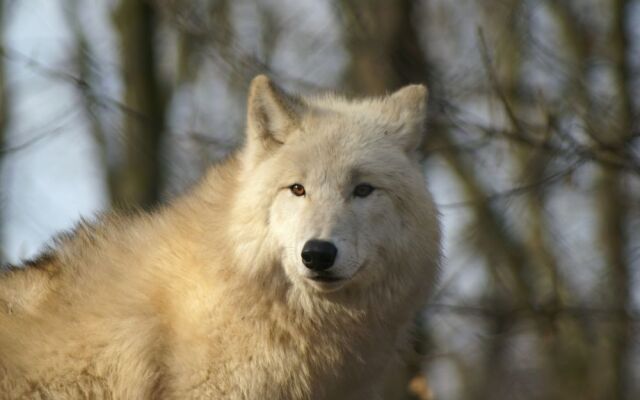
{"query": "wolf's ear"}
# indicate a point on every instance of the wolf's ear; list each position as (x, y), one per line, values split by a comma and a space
(271, 113)
(409, 105)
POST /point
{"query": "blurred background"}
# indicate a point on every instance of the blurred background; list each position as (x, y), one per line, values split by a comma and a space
(533, 153)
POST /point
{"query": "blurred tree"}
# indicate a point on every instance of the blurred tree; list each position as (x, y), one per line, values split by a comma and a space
(383, 42)
(138, 176)
(4, 119)
(614, 200)
(86, 81)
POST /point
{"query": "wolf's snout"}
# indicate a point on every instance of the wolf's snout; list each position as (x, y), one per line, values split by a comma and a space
(319, 255)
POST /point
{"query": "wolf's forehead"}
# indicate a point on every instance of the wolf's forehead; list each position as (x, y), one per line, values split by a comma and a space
(350, 133)
(352, 117)
(341, 155)
(342, 131)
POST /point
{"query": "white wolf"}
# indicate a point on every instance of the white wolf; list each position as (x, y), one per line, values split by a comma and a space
(292, 271)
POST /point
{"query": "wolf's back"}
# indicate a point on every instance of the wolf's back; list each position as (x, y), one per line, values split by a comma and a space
(23, 289)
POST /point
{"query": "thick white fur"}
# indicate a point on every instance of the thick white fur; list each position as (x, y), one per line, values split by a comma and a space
(208, 297)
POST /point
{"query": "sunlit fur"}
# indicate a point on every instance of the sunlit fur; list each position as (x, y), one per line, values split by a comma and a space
(208, 298)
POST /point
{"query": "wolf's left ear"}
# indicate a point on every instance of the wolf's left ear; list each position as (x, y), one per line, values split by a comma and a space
(409, 105)
(271, 113)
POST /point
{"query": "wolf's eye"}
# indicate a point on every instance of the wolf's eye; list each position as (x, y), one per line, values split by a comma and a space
(297, 189)
(363, 190)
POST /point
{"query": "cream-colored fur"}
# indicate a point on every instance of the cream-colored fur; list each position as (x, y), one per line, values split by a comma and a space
(208, 297)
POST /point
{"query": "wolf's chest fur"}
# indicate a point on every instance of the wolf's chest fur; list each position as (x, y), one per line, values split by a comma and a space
(259, 359)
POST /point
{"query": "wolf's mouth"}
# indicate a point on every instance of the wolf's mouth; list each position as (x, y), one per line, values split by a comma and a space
(325, 278)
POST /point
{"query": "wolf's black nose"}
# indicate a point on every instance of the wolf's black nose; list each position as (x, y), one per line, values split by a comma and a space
(319, 255)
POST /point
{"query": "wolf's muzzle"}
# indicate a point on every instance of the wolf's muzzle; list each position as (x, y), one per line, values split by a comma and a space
(319, 255)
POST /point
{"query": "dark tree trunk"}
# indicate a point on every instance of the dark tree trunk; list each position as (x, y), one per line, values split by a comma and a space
(138, 178)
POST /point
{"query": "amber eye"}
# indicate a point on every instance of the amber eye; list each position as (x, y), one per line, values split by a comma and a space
(363, 190)
(297, 189)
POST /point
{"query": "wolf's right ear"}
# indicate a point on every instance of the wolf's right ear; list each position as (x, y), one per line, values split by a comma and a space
(409, 105)
(271, 113)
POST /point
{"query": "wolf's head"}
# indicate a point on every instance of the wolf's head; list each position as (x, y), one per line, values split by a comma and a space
(337, 186)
